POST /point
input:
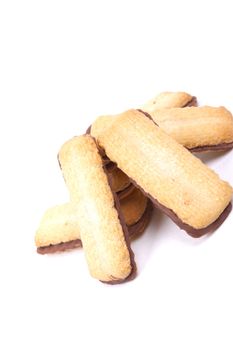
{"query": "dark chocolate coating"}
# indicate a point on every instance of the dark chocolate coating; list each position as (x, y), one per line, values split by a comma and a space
(88, 131)
(126, 192)
(219, 147)
(191, 103)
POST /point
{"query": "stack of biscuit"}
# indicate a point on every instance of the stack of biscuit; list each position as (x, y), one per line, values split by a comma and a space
(128, 164)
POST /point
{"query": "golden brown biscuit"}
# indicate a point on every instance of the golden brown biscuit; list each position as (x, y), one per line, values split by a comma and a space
(100, 223)
(100, 126)
(119, 180)
(169, 100)
(197, 128)
(134, 231)
(177, 182)
(60, 223)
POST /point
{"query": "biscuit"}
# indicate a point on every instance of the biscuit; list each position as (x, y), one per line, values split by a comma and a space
(177, 182)
(169, 100)
(59, 224)
(100, 223)
(197, 128)
(59, 230)
(48, 230)
(119, 180)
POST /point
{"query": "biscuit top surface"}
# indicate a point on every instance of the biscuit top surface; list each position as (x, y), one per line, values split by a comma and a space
(58, 225)
(101, 124)
(100, 229)
(165, 169)
(167, 100)
(196, 126)
(197, 113)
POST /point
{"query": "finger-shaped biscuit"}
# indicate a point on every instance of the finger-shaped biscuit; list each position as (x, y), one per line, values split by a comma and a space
(169, 100)
(59, 231)
(197, 128)
(101, 226)
(59, 224)
(177, 182)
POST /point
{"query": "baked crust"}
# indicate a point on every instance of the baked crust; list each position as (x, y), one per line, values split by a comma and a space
(169, 100)
(196, 126)
(165, 170)
(102, 230)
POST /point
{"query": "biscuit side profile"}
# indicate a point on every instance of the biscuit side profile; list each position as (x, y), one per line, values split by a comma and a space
(169, 100)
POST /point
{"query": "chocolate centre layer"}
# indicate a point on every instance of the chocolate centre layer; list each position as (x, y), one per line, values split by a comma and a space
(191, 103)
(219, 147)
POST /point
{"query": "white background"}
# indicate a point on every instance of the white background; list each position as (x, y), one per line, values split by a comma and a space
(63, 63)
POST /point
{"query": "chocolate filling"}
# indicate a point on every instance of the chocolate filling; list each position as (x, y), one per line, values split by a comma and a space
(110, 166)
(60, 247)
(134, 230)
(147, 115)
(219, 147)
(191, 103)
(88, 131)
(126, 192)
